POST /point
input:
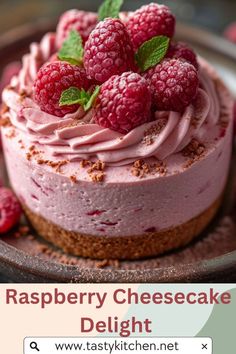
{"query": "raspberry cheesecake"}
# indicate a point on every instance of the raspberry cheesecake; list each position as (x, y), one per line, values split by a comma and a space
(117, 139)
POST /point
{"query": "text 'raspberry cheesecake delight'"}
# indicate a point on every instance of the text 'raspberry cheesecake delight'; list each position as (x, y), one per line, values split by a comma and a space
(117, 139)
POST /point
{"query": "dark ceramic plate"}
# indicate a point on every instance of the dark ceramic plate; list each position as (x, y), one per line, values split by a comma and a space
(212, 258)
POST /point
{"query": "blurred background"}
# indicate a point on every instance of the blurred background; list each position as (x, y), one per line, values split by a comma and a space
(214, 15)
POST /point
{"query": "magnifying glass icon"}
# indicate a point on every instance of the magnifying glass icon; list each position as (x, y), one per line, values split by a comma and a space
(34, 346)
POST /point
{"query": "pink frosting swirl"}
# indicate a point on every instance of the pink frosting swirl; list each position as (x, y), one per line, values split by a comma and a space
(76, 136)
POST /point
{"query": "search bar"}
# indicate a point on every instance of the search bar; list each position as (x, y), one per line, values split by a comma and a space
(117, 345)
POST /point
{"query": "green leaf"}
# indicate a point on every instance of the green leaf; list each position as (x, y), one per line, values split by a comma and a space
(110, 8)
(73, 95)
(92, 99)
(152, 52)
(72, 49)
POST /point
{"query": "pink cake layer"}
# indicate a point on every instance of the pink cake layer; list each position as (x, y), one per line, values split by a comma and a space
(122, 203)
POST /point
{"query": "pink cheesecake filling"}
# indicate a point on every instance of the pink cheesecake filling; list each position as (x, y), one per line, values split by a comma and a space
(123, 204)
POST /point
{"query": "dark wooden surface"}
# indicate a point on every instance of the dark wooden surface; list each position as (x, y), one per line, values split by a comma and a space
(211, 14)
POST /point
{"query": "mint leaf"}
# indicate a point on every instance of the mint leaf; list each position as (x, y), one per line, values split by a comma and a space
(152, 52)
(73, 95)
(72, 49)
(110, 8)
(92, 99)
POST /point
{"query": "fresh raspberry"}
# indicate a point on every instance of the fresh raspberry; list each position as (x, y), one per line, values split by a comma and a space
(230, 32)
(150, 21)
(10, 210)
(82, 21)
(183, 51)
(54, 78)
(174, 84)
(124, 103)
(108, 51)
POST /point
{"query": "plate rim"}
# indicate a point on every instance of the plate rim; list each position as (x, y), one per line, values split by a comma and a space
(187, 272)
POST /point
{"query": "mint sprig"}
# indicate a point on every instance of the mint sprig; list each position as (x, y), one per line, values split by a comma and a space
(73, 95)
(110, 8)
(72, 49)
(152, 52)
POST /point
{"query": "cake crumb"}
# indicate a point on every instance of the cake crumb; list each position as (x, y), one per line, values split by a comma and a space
(193, 151)
(85, 163)
(60, 165)
(141, 168)
(28, 156)
(43, 249)
(95, 169)
(97, 177)
(5, 122)
(42, 162)
(73, 179)
(20, 142)
(161, 168)
(23, 95)
(4, 109)
(57, 165)
(102, 264)
(114, 263)
(151, 133)
(97, 166)
(11, 134)
(32, 151)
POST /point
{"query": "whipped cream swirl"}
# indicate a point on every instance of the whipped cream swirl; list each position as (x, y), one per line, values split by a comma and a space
(76, 136)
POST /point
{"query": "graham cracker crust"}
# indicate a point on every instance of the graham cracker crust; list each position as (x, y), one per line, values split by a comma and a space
(125, 247)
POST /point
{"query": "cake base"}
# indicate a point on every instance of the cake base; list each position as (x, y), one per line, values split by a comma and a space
(125, 247)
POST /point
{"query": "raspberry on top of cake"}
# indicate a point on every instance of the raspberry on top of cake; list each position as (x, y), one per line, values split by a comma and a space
(104, 80)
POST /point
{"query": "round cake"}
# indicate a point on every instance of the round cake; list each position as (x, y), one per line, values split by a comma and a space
(118, 173)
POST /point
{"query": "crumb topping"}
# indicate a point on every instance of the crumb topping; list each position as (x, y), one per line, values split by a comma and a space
(34, 153)
(11, 134)
(4, 109)
(97, 166)
(23, 95)
(151, 133)
(57, 165)
(73, 179)
(85, 163)
(20, 142)
(5, 122)
(97, 177)
(141, 168)
(95, 169)
(4, 119)
(194, 152)
(108, 263)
